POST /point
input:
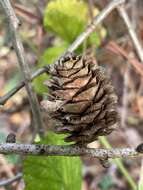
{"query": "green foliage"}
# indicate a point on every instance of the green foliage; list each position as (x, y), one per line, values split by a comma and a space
(48, 57)
(52, 173)
(67, 19)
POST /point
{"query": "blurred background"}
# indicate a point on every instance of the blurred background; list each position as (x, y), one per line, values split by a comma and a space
(47, 29)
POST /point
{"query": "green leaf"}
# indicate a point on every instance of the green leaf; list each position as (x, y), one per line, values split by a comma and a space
(48, 57)
(53, 172)
(67, 19)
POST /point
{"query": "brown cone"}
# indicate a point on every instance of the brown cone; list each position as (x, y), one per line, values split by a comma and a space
(82, 101)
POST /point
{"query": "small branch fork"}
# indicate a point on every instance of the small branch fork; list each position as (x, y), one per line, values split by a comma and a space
(67, 150)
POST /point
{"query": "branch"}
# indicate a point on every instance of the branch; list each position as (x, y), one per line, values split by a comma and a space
(67, 150)
(13, 24)
(11, 180)
(131, 31)
(97, 20)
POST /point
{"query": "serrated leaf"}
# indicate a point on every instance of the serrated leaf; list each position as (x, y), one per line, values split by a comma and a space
(48, 57)
(52, 173)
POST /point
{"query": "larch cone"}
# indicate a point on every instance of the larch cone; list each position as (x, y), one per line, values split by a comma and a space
(82, 101)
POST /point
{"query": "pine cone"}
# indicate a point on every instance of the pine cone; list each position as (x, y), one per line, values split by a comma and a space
(82, 101)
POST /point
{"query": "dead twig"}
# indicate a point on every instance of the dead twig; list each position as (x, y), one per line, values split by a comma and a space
(67, 150)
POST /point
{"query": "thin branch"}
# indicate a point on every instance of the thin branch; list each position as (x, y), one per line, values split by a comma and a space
(132, 33)
(67, 150)
(11, 180)
(20, 85)
(13, 23)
